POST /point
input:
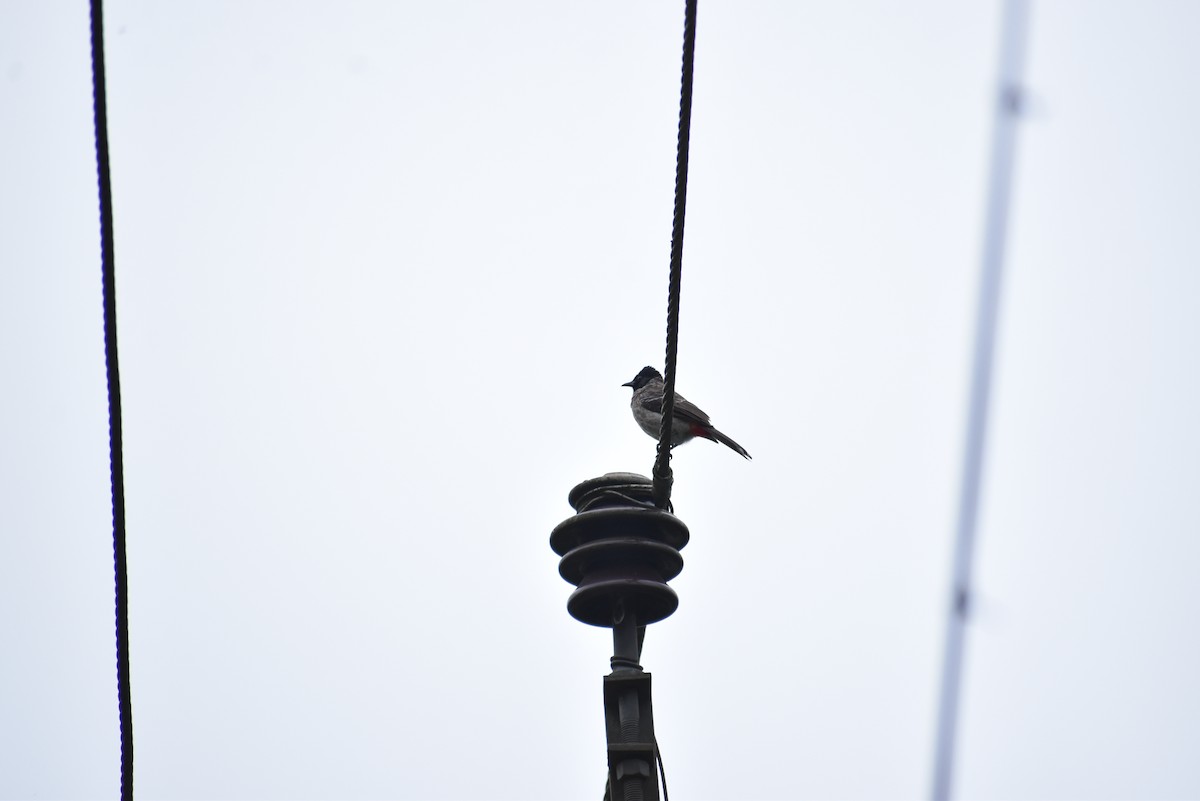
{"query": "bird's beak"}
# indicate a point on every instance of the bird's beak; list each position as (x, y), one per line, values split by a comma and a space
(627, 384)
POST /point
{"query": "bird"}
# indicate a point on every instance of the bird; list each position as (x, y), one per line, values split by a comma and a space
(688, 421)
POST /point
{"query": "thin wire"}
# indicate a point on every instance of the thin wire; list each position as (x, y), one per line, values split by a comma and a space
(116, 461)
(662, 771)
(1008, 110)
(663, 478)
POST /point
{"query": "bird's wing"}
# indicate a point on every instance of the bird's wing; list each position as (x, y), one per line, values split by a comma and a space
(684, 409)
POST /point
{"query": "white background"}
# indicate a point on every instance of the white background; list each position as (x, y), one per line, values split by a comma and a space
(382, 268)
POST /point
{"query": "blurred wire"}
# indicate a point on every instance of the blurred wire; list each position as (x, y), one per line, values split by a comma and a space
(1007, 114)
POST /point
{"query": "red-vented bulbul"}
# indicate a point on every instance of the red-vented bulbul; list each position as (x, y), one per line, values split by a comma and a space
(688, 420)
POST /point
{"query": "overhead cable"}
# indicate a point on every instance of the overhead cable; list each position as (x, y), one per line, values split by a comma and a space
(115, 448)
(1004, 140)
(663, 477)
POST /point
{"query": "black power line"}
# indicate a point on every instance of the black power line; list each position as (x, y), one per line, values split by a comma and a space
(116, 461)
(662, 464)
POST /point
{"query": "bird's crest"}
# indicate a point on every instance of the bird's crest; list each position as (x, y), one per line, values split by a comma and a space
(643, 378)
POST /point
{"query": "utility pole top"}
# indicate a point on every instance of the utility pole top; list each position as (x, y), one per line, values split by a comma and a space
(620, 550)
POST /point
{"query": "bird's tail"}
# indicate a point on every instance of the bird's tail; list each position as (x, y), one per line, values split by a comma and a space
(717, 436)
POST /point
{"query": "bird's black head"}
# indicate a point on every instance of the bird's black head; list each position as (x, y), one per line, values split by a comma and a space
(643, 378)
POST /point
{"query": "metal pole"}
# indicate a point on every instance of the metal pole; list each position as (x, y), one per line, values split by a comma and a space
(1008, 109)
(629, 717)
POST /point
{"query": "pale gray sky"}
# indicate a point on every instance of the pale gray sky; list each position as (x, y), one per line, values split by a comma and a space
(382, 268)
